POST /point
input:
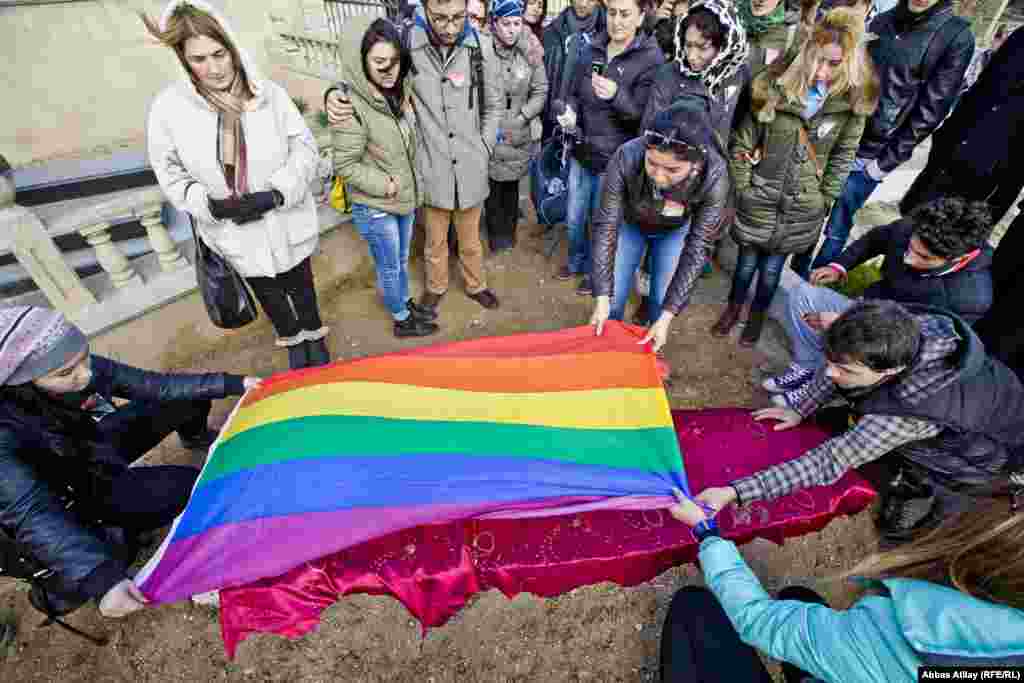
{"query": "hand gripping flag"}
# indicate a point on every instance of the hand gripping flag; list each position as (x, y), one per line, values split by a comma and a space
(319, 460)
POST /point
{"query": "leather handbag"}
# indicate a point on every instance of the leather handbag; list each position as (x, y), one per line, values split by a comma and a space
(227, 298)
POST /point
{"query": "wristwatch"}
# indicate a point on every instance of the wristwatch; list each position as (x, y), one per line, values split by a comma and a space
(704, 529)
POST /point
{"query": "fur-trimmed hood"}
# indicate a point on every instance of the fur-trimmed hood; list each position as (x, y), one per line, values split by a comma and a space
(767, 95)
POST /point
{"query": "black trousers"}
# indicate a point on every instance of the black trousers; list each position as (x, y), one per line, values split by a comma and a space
(501, 212)
(289, 300)
(700, 645)
(147, 497)
(1001, 328)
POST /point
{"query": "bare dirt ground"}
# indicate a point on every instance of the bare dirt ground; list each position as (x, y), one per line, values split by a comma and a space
(596, 633)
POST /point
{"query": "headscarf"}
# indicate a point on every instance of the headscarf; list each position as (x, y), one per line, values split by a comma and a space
(507, 8)
(730, 58)
(757, 25)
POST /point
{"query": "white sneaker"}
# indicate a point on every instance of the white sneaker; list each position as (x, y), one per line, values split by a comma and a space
(793, 378)
(207, 599)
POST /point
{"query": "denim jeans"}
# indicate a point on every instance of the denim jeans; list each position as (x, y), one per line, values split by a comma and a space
(856, 191)
(584, 198)
(749, 261)
(665, 249)
(796, 298)
(388, 236)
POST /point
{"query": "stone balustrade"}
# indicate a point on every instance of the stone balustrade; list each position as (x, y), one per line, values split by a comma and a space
(126, 288)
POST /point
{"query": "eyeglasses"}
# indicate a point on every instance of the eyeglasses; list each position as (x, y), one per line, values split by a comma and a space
(447, 20)
(669, 143)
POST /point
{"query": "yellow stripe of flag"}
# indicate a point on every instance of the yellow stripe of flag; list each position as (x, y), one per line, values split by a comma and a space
(624, 408)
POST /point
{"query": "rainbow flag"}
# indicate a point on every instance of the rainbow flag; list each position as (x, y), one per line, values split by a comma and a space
(319, 460)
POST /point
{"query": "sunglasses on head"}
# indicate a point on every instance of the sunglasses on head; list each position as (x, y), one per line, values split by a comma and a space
(667, 143)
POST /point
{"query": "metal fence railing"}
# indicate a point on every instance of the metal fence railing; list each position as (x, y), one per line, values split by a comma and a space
(336, 11)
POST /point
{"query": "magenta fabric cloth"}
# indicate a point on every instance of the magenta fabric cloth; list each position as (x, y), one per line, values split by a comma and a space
(433, 570)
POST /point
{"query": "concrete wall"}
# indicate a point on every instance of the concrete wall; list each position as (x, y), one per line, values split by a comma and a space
(78, 77)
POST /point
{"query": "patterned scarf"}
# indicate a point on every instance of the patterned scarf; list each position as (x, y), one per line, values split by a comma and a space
(230, 103)
(757, 25)
(729, 59)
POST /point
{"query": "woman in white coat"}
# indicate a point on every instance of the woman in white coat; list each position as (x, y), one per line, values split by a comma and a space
(230, 148)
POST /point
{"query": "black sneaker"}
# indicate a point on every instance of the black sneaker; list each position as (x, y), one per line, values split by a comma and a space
(414, 327)
(586, 286)
(908, 508)
(485, 298)
(420, 311)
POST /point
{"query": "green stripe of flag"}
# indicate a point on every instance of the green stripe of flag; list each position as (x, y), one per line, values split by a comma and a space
(650, 450)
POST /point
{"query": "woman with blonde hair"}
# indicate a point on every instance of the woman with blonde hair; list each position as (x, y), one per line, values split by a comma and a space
(954, 597)
(792, 153)
(231, 149)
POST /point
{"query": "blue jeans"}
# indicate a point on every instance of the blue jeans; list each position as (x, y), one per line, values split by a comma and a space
(665, 249)
(388, 236)
(584, 198)
(749, 261)
(796, 298)
(858, 188)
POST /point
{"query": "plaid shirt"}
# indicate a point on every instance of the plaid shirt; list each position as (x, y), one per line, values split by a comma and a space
(873, 436)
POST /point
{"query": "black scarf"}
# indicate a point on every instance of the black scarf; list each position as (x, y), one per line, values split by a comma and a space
(578, 25)
(905, 20)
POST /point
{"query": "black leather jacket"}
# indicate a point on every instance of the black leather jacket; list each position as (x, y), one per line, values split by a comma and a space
(911, 107)
(607, 124)
(37, 465)
(627, 196)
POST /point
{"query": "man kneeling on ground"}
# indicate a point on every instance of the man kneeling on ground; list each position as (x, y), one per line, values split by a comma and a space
(922, 391)
(937, 256)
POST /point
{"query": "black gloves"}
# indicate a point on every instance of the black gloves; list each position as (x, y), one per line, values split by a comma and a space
(247, 208)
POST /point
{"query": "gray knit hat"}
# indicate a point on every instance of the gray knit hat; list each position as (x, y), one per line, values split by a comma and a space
(35, 341)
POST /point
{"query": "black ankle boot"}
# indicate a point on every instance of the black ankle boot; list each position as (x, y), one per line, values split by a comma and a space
(298, 357)
(414, 326)
(317, 353)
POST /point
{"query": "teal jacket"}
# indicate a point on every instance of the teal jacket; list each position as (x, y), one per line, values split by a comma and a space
(880, 638)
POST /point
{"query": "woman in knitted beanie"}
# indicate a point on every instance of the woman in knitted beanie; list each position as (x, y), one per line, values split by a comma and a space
(68, 499)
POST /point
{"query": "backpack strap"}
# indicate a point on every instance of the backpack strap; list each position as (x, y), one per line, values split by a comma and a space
(476, 61)
(811, 152)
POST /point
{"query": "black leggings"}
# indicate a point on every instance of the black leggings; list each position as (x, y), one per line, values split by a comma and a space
(289, 300)
(501, 212)
(149, 497)
(700, 645)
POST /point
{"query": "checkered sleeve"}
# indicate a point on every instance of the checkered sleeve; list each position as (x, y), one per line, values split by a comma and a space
(820, 392)
(871, 438)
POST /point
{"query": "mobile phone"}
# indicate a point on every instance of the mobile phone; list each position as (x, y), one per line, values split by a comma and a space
(598, 67)
(345, 89)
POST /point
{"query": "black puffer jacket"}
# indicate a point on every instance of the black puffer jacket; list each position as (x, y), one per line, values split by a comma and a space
(910, 107)
(38, 464)
(967, 292)
(725, 109)
(607, 124)
(628, 197)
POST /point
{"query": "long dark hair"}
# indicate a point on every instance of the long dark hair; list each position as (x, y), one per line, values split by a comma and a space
(385, 31)
(538, 28)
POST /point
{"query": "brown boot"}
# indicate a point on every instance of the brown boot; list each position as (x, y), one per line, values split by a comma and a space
(730, 315)
(752, 330)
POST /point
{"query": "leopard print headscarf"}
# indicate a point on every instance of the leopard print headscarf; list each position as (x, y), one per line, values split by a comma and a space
(729, 59)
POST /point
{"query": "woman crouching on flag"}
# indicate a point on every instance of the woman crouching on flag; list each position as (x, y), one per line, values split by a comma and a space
(667, 191)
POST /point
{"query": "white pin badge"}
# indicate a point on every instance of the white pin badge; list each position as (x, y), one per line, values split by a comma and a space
(825, 128)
